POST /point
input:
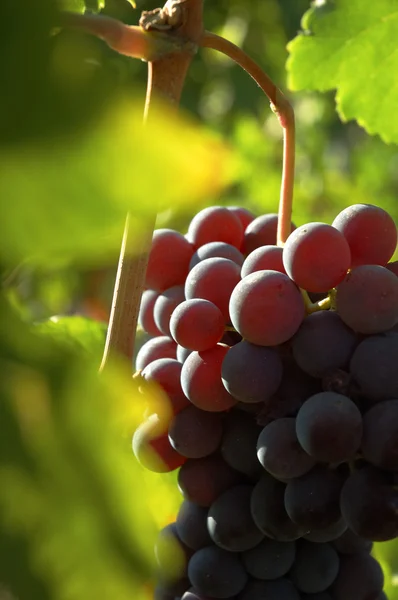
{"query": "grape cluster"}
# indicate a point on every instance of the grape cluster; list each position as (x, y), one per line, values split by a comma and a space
(279, 373)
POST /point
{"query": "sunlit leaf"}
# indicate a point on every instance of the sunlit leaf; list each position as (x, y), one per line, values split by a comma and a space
(77, 332)
(350, 46)
(70, 199)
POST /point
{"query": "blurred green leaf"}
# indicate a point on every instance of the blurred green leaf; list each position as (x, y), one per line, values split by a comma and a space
(350, 45)
(70, 199)
(79, 333)
(73, 501)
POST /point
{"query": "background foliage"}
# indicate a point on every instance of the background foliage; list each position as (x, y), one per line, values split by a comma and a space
(77, 514)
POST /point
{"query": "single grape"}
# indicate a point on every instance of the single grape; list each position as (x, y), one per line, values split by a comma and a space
(266, 308)
(370, 232)
(369, 502)
(169, 259)
(195, 433)
(329, 427)
(191, 525)
(380, 435)
(158, 347)
(269, 590)
(213, 279)
(323, 344)
(327, 534)
(251, 373)
(217, 573)
(312, 500)
(367, 299)
(316, 256)
(261, 232)
(145, 317)
(244, 215)
(166, 302)
(269, 513)
(214, 250)
(350, 543)
(230, 522)
(315, 568)
(269, 559)
(152, 448)
(374, 367)
(215, 224)
(238, 445)
(263, 259)
(279, 451)
(201, 380)
(197, 324)
(360, 576)
(166, 372)
(203, 480)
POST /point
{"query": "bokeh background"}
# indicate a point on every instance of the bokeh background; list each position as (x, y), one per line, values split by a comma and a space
(77, 515)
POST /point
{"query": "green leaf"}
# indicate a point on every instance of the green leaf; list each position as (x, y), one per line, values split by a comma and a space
(78, 514)
(350, 46)
(78, 333)
(69, 199)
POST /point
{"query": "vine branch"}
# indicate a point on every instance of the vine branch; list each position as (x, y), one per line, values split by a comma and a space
(284, 111)
(166, 78)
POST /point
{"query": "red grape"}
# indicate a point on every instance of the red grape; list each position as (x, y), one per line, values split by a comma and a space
(264, 259)
(266, 308)
(370, 232)
(169, 260)
(316, 256)
(197, 324)
(215, 224)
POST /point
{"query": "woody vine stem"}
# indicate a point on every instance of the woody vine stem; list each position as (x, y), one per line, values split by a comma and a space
(167, 38)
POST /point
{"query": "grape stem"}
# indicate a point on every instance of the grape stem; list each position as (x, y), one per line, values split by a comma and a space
(285, 113)
(129, 40)
(166, 78)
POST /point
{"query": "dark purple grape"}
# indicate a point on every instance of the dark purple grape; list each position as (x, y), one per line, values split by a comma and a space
(238, 445)
(279, 451)
(191, 525)
(270, 559)
(323, 344)
(360, 576)
(195, 433)
(350, 543)
(374, 367)
(269, 513)
(327, 534)
(203, 480)
(217, 573)
(230, 522)
(329, 427)
(312, 501)
(315, 568)
(380, 435)
(172, 556)
(369, 504)
(251, 373)
(269, 590)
